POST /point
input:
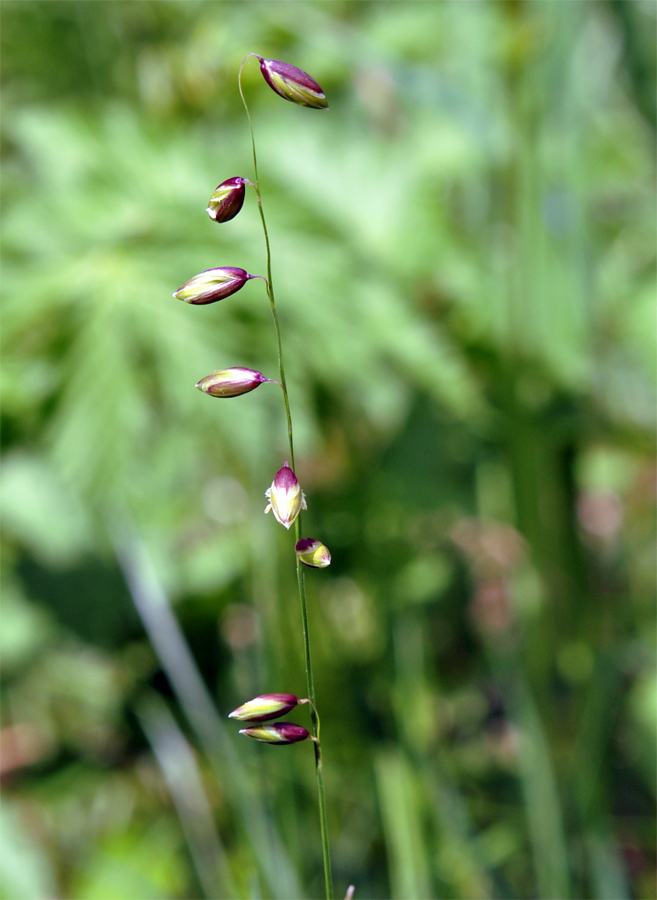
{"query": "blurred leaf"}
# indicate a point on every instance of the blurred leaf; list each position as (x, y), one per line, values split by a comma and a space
(25, 870)
(135, 863)
(399, 795)
(41, 512)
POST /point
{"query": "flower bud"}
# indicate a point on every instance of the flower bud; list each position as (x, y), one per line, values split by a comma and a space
(313, 553)
(227, 199)
(286, 499)
(213, 285)
(231, 382)
(292, 83)
(277, 733)
(266, 706)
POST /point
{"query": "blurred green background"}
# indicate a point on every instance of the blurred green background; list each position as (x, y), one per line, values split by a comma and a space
(464, 260)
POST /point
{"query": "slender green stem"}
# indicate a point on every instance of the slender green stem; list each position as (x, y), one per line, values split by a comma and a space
(314, 718)
(269, 282)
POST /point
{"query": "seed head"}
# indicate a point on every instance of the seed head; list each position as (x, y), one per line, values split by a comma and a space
(227, 199)
(277, 733)
(286, 499)
(231, 382)
(292, 83)
(266, 706)
(313, 553)
(213, 285)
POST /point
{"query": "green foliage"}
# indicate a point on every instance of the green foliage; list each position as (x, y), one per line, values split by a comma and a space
(463, 257)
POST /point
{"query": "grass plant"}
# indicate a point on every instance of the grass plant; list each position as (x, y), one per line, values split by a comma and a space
(286, 499)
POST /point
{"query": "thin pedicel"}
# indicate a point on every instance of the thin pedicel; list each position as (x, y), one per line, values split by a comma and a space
(285, 497)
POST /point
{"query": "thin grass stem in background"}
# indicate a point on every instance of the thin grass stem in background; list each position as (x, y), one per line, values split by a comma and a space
(183, 778)
(542, 803)
(176, 660)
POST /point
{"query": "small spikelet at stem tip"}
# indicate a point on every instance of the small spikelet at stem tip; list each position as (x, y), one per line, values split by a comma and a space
(266, 706)
(286, 499)
(231, 382)
(227, 199)
(312, 553)
(213, 284)
(277, 733)
(292, 84)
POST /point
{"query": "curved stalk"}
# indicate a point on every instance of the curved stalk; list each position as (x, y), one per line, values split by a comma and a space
(270, 286)
(314, 718)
